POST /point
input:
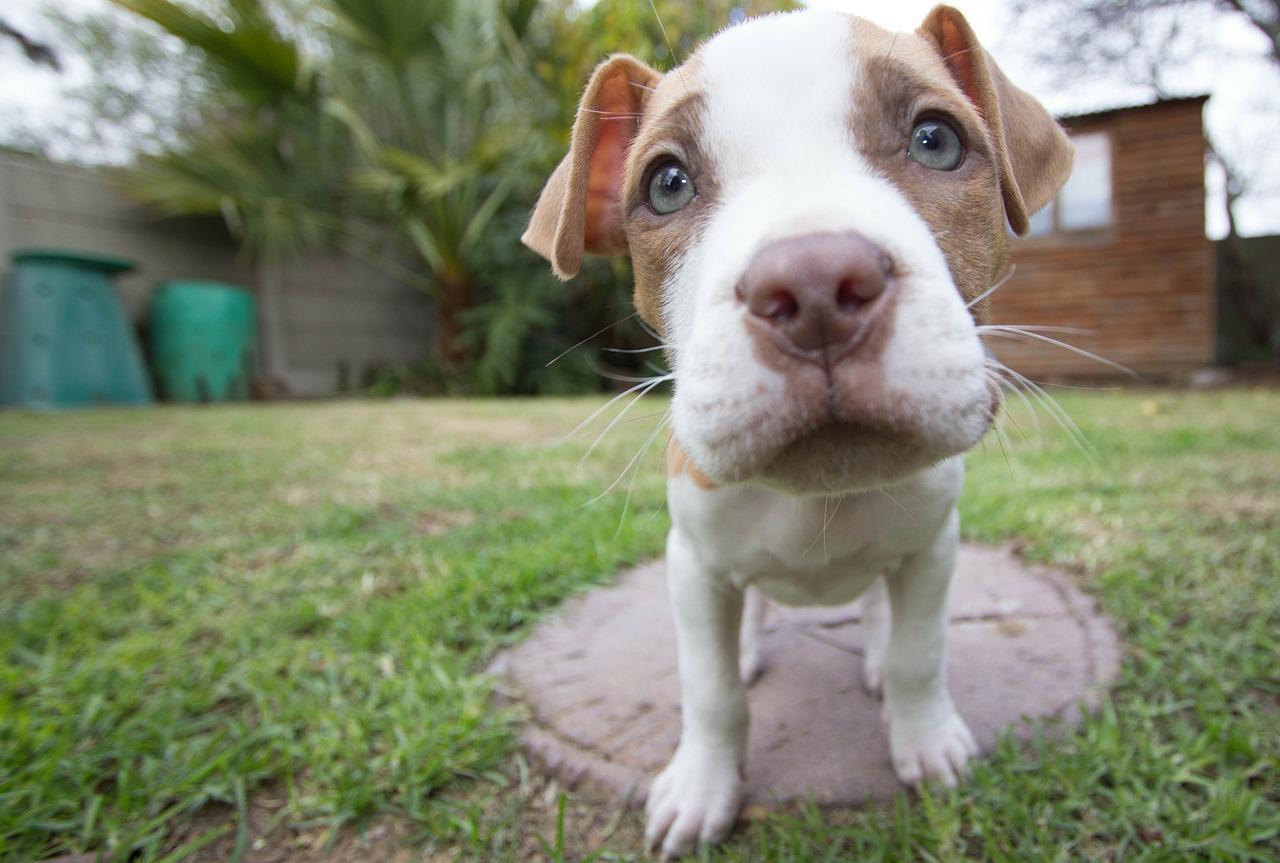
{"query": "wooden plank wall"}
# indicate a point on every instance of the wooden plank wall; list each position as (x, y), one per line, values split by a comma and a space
(1143, 287)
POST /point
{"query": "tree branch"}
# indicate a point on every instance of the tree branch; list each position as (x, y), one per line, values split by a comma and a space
(36, 52)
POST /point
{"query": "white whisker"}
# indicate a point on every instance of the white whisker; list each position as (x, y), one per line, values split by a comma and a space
(826, 522)
(613, 115)
(1000, 283)
(1005, 415)
(644, 325)
(561, 356)
(670, 50)
(626, 503)
(993, 369)
(1035, 328)
(1023, 334)
(586, 422)
(1056, 411)
(642, 417)
(634, 459)
(1005, 446)
(905, 511)
(636, 350)
(1009, 386)
(627, 379)
(644, 390)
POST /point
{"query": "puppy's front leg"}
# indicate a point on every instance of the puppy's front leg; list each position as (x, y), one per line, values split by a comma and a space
(927, 737)
(755, 607)
(875, 622)
(697, 797)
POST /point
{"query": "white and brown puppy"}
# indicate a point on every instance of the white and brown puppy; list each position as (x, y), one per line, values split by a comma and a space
(814, 209)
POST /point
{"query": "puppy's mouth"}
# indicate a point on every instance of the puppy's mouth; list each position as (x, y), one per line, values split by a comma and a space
(846, 432)
(842, 454)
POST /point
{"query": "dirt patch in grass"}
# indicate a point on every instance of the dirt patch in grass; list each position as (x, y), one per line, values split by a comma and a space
(1242, 506)
(438, 522)
(504, 819)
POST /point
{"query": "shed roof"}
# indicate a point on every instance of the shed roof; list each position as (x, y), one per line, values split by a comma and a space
(1091, 113)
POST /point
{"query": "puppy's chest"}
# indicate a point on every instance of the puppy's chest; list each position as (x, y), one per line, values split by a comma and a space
(808, 551)
(800, 552)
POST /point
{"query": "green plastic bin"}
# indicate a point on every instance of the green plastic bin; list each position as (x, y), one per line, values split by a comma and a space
(203, 341)
(65, 340)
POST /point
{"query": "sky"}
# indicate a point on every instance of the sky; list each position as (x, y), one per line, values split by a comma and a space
(1245, 103)
(26, 90)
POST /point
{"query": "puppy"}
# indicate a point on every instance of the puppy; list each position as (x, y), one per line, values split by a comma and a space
(815, 210)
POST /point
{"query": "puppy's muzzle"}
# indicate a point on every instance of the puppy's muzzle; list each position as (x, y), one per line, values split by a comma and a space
(816, 297)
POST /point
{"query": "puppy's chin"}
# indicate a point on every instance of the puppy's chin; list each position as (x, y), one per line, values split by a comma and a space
(841, 457)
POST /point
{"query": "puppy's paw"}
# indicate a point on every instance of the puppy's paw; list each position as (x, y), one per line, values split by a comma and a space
(695, 799)
(935, 748)
(750, 666)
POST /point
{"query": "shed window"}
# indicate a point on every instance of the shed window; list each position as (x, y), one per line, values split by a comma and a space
(1042, 221)
(1085, 201)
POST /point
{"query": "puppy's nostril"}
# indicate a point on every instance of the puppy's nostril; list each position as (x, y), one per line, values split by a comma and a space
(847, 295)
(816, 295)
(853, 293)
(779, 306)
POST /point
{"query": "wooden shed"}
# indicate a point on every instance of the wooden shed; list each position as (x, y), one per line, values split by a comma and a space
(1121, 254)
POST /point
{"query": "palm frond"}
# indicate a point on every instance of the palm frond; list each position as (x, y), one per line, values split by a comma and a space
(252, 55)
(395, 31)
(498, 332)
(238, 177)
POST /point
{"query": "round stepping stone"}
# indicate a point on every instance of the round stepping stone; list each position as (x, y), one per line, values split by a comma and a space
(599, 681)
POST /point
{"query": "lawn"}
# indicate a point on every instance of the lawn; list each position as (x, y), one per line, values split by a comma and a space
(259, 632)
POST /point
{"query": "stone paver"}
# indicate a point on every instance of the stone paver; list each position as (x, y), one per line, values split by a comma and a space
(599, 681)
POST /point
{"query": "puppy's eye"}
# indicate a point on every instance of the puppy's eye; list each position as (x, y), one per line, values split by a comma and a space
(670, 188)
(935, 145)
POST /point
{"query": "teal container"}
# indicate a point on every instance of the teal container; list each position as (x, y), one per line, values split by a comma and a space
(65, 340)
(204, 338)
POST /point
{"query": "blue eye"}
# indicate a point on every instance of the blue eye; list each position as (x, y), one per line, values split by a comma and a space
(670, 188)
(935, 145)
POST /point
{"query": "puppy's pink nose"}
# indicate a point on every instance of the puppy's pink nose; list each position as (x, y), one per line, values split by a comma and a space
(815, 293)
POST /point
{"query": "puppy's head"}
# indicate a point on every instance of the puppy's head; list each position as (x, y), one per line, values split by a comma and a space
(813, 208)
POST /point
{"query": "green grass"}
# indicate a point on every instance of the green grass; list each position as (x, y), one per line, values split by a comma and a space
(230, 627)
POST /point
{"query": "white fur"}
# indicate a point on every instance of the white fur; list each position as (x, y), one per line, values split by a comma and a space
(778, 91)
(805, 551)
(775, 125)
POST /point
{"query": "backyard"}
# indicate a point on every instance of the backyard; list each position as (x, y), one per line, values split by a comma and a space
(260, 632)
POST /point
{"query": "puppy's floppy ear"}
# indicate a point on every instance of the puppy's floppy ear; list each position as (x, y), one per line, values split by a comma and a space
(1034, 155)
(579, 209)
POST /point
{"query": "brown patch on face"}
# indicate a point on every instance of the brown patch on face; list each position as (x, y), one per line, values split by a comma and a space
(902, 80)
(1032, 153)
(678, 462)
(671, 130)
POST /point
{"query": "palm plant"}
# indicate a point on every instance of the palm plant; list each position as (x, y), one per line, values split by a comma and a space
(415, 134)
(411, 144)
(270, 162)
(444, 172)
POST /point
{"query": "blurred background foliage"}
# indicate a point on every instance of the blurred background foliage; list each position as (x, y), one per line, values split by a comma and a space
(413, 134)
